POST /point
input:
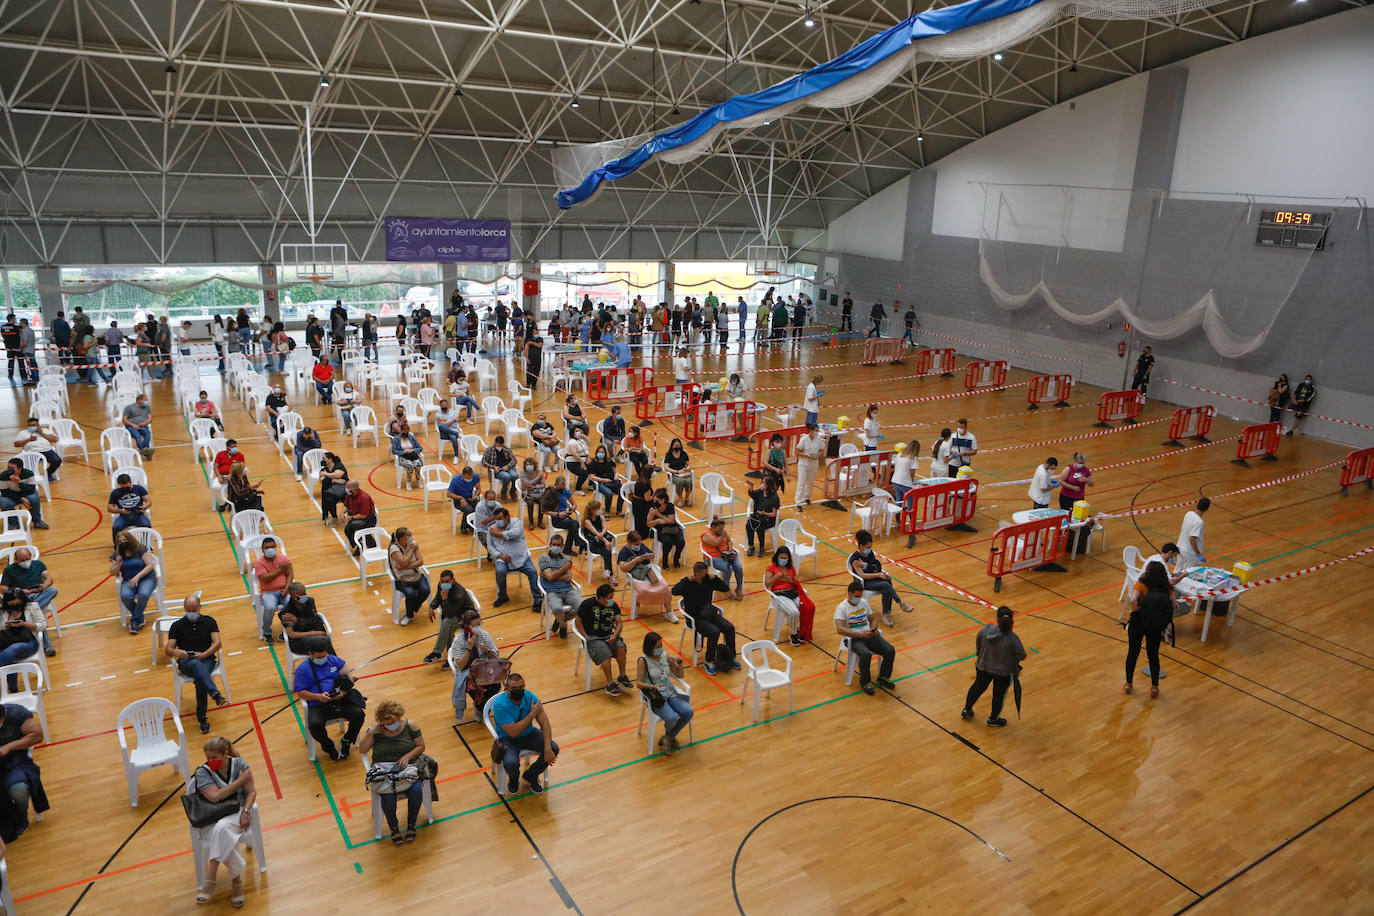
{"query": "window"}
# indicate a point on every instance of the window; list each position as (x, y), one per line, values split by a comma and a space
(612, 282)
(129, 304)
(394, 288)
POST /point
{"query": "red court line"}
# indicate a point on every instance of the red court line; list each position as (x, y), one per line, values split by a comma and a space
(701, 671)
(262, 742)
(99, 517)
(373, 484)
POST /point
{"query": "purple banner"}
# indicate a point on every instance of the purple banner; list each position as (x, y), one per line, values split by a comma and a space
(422, 238)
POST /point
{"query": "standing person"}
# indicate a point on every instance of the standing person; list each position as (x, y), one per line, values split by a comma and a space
(1278, 398)
(534, 356)
(9, 333)
(909, 319)
(369, 330)
(193, 643)
(847, 312)
(962, 447)
(314, 336)
(780, 578)
(28, 345)
(1189, 538)
(395, 741)
(338, 326)
(408, 566)
(224, 777)
(1043, 483)
(905, 469)
(654, 675)
(696, 593)
(742, 310)
(401, 333)
(1152, 610)
(426, 336)
(218, 337)
(1144, 365)
(520, 716)
(940, 454)
(867, 571)
(761, 315)
(1000, 654)
(798, 318)
(1303, 396)
(61, 332)
(810, 449)
(1074, 481)
(453, 602)
(325, 682)
(877, 314)
(301, 621)
(872, 434)
(780, 319)
(854, 619)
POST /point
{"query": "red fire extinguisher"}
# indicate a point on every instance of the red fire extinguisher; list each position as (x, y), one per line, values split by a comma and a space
(1121, 349)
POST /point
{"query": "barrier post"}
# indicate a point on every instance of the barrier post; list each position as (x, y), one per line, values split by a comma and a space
(1033, 545)
(1054, 388)
(883, 349)
(1358, 468)
(985, 373)
(948, 504)
(856, 475)
(1192, 423)
(1119, 405)
(1260, 441)
(929, 362)
(654, 401)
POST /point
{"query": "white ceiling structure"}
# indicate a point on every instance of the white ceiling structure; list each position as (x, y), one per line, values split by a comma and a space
(169, 117)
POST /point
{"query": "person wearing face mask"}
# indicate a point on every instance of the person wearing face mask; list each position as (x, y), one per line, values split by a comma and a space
(763, 514)
(136, 567)
(324, 681)
(657, 675)
(395, 742)
(545, 442)
(854, 619)
(867, 570)
(224, 776)
(575, 455)
(940, 454)
(470, 642)
(532, 490)
(601, 471)
(810, 449)
(484, 515)
(205, 409)
(138, 420)
(871, 435)
(1000, 655)
(720, 550)
(1303, 396)
(556, 505)
(275, 404)
(672, 538)
(193, 642)
(696, 592)
(780, 578)
(561, 596)
(21, 623)
(612, 433)
(903, 466)
(40, 440)
(333, 487)
(306, 439)
(361, 511)
(462, 492)
(600, 623)
(453, 602)
(1043, 483)
(225, 460)
(409, 455)
(506, 541)
(573, 417)
(500, 464)
(680, 476)
(323, 374)
(31, 577)
(520, 717)
(241, 492)
(301, 621)
(128, 506)
(275, 572)
(345, 399)
(1279, 395)
(408, 569)
(962, 447)
(18, 491)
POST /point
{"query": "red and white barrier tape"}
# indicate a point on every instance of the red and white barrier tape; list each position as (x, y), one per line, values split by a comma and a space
(1259, 486)
(979, 343)
(1236, 397)
(1094, 435)
(996, 416)
(933, 397)
(1177, 451)
(1236, 591)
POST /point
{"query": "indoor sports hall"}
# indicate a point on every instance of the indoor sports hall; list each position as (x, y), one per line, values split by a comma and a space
(607, 456)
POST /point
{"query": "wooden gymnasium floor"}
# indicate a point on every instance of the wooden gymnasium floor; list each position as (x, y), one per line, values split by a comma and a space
(1244, 788)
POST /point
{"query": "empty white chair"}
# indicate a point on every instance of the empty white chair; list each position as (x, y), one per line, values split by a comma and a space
(152, 748)
(486, 374)
(23, 534)
(876, 514)
(499, 776)
(35, 462)
(757, 671)
(492, 409)
(434, 478)
(202, 432)
(180, 680)
(46, 412)
(415, 414)
(29, 693)
(718, 504)
(115, 437)
(794, 535)
(1135, 565)
(429, 400)
(646, 712)
(519, 395)
(516, 427)
(364, 423)
(379, 818)
(70, 435)
(121, 458)
(374, 554)
(473, 446)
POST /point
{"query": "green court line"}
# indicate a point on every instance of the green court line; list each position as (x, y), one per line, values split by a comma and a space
(629, 763)
(1334, 537)
(938, 600)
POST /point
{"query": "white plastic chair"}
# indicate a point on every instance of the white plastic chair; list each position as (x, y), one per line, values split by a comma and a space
(575, 628)
(364, 422)
(877, 513)
(415, 413)
(70, 435)
(718, 504)
(472, 447)
(180, 680)
(379, 819)
(288, 424)
(689, 625)
(592, 555)
(152, 747)
(374, 554)
(35, 462)
(1135, 565)
(519, 395)
(115, 437)
(782, 610)
(434, 478)
(429, 400)
(292, 659)
(499, 776)
(764, 677)
(486, 374)
(312, 466)
(121, 458)
(30, 692)
(792, 533)
(850, 659)
(516, 427)
(244, 526)
(202, 432)
(674, 489)
(252, 838)
(47, 412)
(492, 409)
(646, 712)
(20, 536)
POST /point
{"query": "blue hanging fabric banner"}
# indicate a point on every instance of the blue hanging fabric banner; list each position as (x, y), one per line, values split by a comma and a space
(930, 24)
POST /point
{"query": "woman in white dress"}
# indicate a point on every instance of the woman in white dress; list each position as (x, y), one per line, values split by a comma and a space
(871, 429)
(223, 775)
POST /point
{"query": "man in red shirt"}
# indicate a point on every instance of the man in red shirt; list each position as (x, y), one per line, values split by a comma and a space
(225, 459)
(274, 573)
(362, 513)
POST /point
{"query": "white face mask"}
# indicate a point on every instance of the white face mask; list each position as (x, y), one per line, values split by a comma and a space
(269, 552)
(25, 564)
(855, 602)
(784, 562)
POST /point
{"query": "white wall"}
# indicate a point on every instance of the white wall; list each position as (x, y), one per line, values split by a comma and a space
(1290, 113)
(1089, 145)
(875, 228)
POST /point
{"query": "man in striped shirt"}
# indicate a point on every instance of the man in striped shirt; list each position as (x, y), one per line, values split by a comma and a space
(854, 619)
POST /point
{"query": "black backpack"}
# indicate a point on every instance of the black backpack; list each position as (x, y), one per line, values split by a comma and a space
(724, 659)
(1156, 610)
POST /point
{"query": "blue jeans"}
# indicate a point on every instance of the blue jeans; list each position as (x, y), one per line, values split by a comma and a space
(219, 351)
(414, 799)
(135, 597)
(142, 436)
(326, 390)
(675, 712)
(900, 491)
(534, 741)
(725, 567)
(527, 568)
(813, 416)
(34, 507)
(885, 589)
(281, 361)
(908, 338)
(137, 520)
(507, 478)
(271, 601)
(198, 670)
(451, 433)
(1036, 505)
(415, 594)
(300, 459)
(467, 401)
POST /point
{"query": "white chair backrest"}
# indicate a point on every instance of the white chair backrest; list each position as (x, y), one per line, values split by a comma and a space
(363, 417)
(473, 446)
(52, 372)
(428, 397)
(115, 437)
(137, 476)
(7, 554)
(1134, 560)
(488, 711)
(513, 419)
(485, 367)
(435, 475)
(787, 530)
(124, 457)
(712, 483)
(249, 522)
(252, 549)
(35, 462)
(26, 690)
(378, 535)
(203, 430)
(118, 404)
(149, 538)
(493, 406)
(849, 448)
(145, 717)
(312, 461)
(67, 428)
(46, 411)
(411, 406)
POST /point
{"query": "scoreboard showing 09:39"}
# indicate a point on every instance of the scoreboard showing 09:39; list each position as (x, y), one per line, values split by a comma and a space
(1293, 228)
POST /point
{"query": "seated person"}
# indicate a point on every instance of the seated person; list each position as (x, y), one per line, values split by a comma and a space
(561, 595)
(333, 487)
(633, 446)
(241, 492)
(32, 579)
(393, 423)
(724, 555)
(600, 622)
(763, 514)
(193, 644)
(128, 506)
(346, 398)
(136, 567)
(462, 490)
(780, 578)
(226, 459)
(470, 642)
(575, 457)
(453, 602)
(301, 621)
(40, 440)
(275, 572)
(409, 455)
(671, 536)
(636, 561)
(306, 440)
(484, 515)
(556, 505)
(500, 463)
(19, 775)
(138, 420)
(18, 491)
(20, 624)
(613, 431)
(408, 569)
(598, 537)
(446, 425)
(205, 409)
(532, 489)
(545, 441)
(325, 683)
(854, 618)
(323, 374)
(395, 741)
(696, 593)
(868, 572)
(275, 404)
(518, 713)
(506, 543)
(654, 676)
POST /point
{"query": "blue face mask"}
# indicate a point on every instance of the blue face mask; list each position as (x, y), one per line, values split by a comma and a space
(319, 661)
(192, 616)
(445, 586)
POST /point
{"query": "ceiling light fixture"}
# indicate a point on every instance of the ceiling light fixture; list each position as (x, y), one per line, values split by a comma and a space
(809, 21)
(576, 103)
(997, 56)
(170, 68)
(324, 81)
(920, 138)
(458, 91)
(675, 111)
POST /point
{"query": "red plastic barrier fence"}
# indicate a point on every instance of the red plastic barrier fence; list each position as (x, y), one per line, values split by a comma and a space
(614, 384)
(1045, 388)
(720, 420)
(939, 505)
(883, 350)
(857, 475)
(1260, 441)
(657, 401)
(985, 373)
(1031, 545)
(1119, 405)
(1190, 423)
(1358, 468)
(758, 444)
(929, 362)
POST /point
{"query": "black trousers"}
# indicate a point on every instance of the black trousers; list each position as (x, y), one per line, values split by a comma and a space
(316, 716)
(846, 321)
(579, 470)
(1136, 630)
(356, 525)
(864, 648)
(572, 531)
(999, 682)
(758, 529)
(713, 627)
(671, 539)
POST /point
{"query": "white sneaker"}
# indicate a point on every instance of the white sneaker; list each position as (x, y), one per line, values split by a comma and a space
(405, 621)
(671, 617)
(887, 620)
(908, 607)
